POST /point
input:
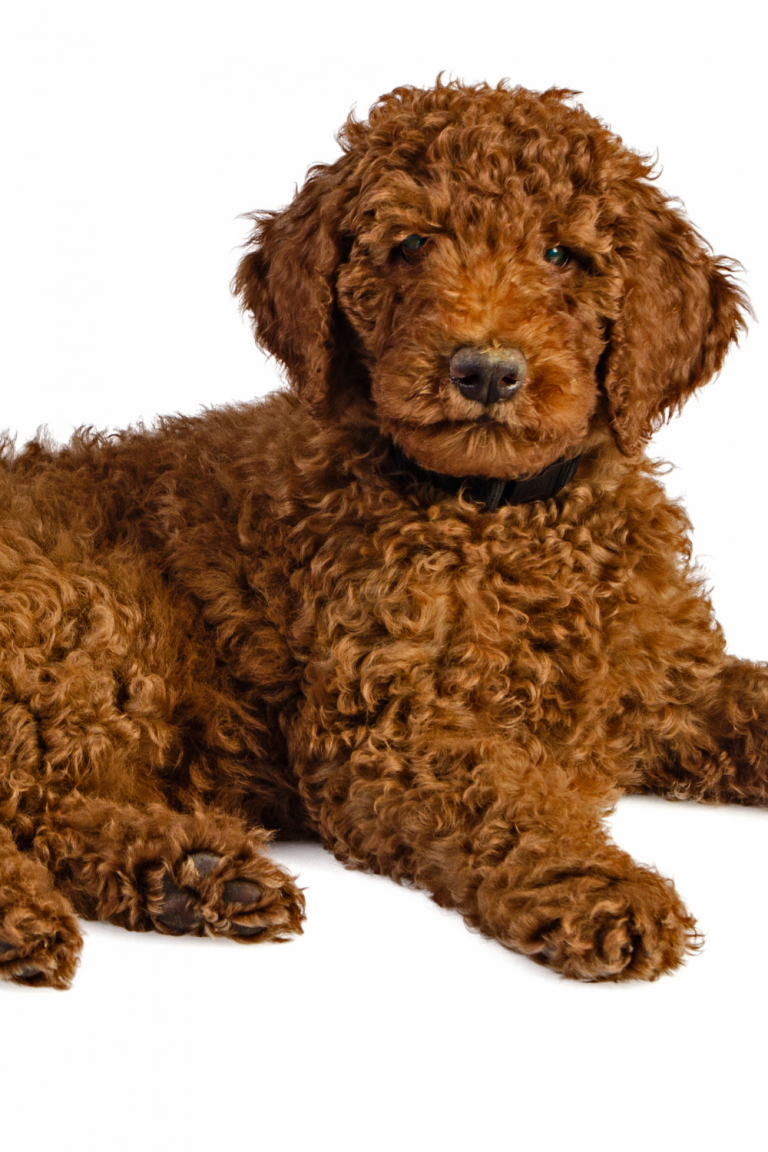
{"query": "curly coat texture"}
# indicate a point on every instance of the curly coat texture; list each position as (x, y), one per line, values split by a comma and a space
(254, 619)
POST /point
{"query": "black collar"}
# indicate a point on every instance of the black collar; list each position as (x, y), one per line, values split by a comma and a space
(487, 491)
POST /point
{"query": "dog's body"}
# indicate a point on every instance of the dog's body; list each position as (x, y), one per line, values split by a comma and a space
(292, 615)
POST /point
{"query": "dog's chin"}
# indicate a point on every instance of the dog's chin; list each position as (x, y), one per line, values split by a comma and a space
(481, 449)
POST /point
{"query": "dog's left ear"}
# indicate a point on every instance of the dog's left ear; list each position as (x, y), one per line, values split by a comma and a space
(287, 281)
(679, 313)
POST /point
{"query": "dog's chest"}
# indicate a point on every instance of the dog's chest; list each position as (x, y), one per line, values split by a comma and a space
(487, 616)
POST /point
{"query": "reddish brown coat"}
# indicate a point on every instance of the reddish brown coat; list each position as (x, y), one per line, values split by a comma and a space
(251, 620)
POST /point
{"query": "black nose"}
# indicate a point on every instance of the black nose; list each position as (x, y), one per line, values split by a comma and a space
(489, 376)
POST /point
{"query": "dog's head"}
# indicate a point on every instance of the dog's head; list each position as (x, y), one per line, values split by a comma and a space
(496, 272)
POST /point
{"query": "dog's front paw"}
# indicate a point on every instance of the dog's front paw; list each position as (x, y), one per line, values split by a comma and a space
(634, 928)
(208, 894)
(613, 920)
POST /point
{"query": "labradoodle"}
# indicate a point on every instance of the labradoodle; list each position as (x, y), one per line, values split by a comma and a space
(430, 604)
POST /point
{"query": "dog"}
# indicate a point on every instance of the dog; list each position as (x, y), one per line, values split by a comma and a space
(430, 603)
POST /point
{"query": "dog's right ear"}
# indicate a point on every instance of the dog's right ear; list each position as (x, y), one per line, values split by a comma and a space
(288, 279)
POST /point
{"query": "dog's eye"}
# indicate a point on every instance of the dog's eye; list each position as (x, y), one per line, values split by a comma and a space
(558, 255)
(409, 248)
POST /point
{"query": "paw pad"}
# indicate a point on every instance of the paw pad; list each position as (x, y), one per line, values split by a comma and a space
(181, 912)
(25, 974)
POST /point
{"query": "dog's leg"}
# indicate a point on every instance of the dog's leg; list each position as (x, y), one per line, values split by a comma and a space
(573, 901)
(519, 849)
(718, 750)
(39, 937)
(205, 873)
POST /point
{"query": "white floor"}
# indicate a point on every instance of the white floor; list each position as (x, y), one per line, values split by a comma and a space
(388, 1024)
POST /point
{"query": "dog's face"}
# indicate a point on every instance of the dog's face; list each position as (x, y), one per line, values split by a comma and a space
(469, 284)
(494, 270)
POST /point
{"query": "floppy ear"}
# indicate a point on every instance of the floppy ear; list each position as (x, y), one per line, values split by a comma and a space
(287, 281)
(679, 313)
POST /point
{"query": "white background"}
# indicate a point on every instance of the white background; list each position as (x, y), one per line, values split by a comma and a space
(132, 137)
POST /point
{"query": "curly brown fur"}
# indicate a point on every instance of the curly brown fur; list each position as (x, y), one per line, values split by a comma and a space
(124, 865)
(253, 619)
(40, 941)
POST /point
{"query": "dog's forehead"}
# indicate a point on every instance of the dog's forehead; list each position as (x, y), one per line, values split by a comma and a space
(496, 164)
(526, 154)
(474, 185)
(484, 134)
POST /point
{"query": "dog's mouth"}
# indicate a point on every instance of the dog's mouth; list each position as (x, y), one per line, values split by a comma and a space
(496, 414)
(481, 446)
(505, 417)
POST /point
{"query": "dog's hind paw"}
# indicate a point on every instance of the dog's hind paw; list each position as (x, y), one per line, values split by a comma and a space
(207, 894)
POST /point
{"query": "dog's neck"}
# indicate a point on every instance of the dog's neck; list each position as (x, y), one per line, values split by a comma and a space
(484, 490)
